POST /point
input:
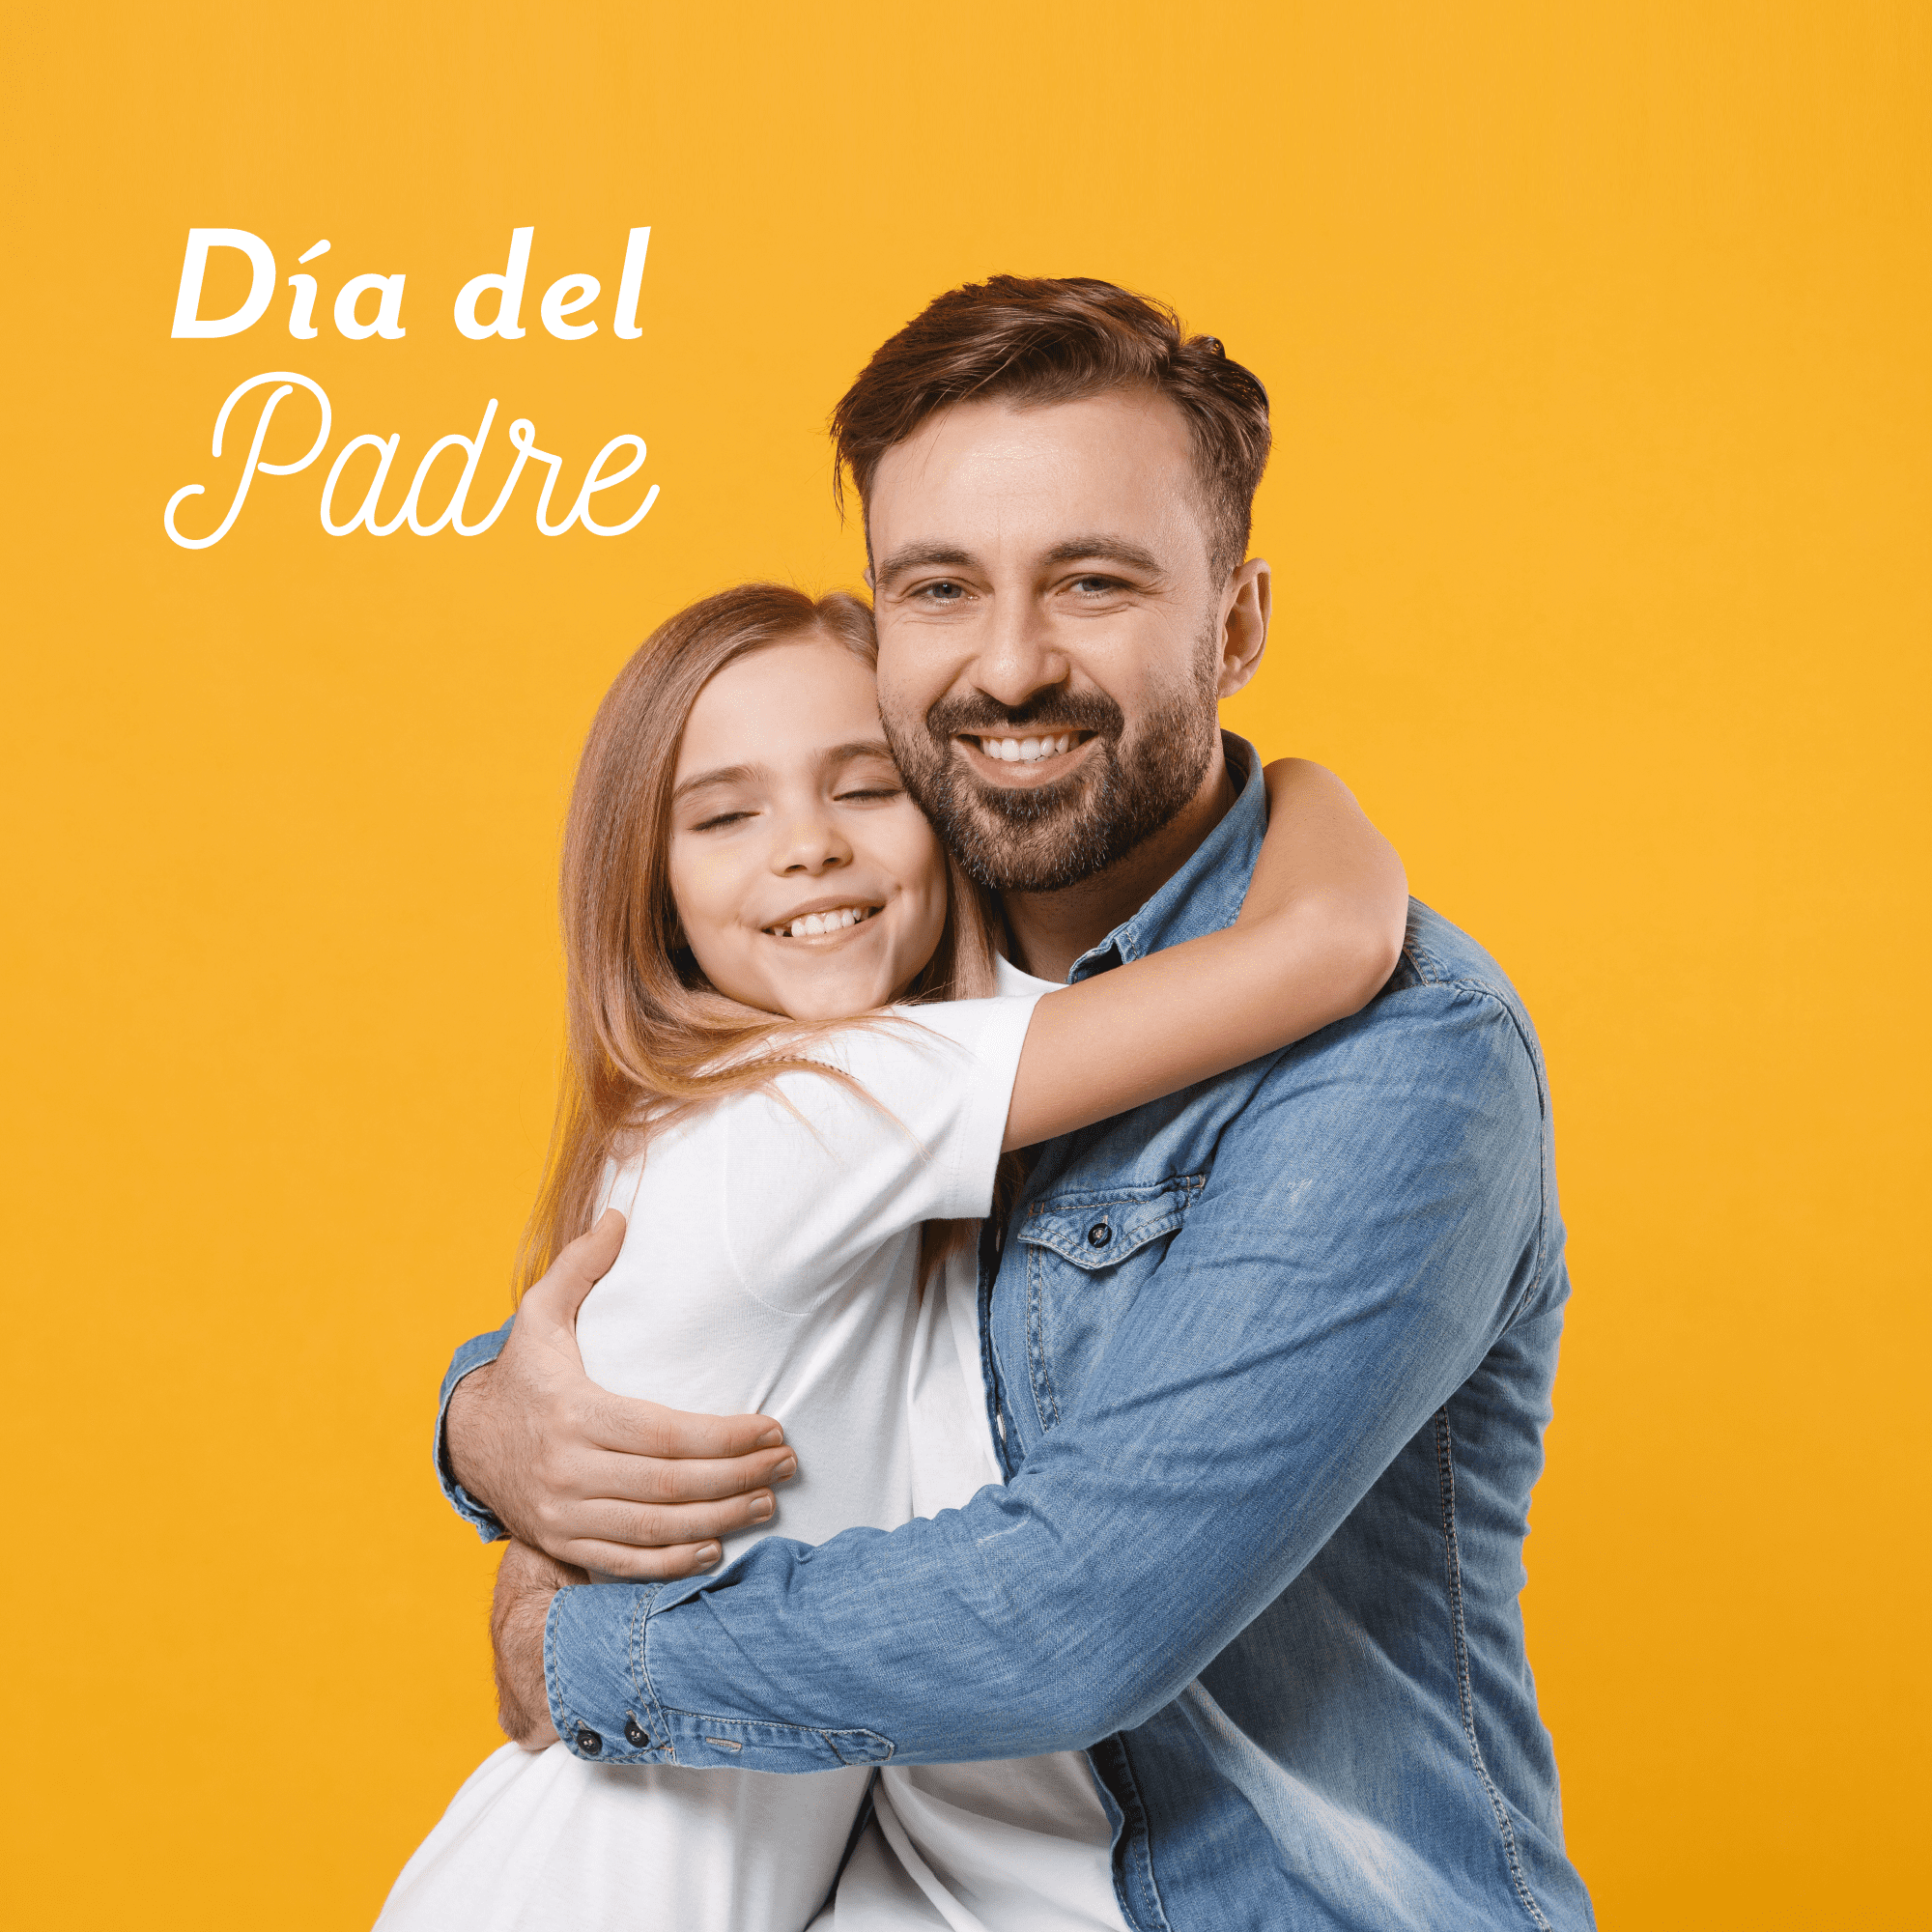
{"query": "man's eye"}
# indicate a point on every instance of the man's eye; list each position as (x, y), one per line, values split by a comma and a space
(1097, 587)
(946, 591)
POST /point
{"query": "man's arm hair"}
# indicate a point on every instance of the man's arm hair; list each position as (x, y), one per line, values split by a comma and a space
(527, 1579)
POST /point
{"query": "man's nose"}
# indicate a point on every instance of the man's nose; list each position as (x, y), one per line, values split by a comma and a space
(1019, 658)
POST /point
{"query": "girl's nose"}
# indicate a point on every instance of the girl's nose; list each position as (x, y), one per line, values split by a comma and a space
(811, 844)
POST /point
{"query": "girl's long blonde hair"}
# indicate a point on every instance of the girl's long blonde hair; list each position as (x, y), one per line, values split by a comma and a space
(648, 1038)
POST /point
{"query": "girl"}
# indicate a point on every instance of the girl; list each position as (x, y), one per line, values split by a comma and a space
(785, 1070)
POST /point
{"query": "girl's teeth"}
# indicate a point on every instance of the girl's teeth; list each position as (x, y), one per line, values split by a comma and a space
(813, 924)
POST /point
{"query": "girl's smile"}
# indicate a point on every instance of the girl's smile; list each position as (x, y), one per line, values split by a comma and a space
(819, 921)
(807, 882)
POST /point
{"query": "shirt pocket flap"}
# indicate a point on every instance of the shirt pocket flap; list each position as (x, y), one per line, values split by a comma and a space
(1097, 1230)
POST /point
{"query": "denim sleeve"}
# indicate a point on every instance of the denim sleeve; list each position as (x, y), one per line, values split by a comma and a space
(473, 1354)
(1372, 1218)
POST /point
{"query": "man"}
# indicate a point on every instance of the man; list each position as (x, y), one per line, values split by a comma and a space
(1268, 1362)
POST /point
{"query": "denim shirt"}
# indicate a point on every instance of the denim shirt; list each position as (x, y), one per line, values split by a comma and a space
(1269, 1363)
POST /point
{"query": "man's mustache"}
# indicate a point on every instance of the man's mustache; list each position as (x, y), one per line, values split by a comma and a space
(1051, 711)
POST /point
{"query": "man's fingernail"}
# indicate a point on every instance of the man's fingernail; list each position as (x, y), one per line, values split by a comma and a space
(786, 1470)
(708, 1556)
(762, 1508)
(770, 1440)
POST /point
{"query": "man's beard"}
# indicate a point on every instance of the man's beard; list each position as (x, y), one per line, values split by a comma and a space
(1045, 838)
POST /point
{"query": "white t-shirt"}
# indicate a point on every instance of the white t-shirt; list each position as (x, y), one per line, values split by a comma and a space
(1010, 1845)
(770, 1264)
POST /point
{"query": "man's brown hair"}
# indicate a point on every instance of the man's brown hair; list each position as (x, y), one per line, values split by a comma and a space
(1029, 339)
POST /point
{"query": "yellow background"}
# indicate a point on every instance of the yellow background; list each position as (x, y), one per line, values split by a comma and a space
(1597, 336)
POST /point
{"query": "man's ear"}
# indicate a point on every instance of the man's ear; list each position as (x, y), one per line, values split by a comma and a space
(1244, 629)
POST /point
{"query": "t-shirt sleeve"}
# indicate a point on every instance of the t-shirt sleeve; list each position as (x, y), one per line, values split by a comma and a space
(819, 1176)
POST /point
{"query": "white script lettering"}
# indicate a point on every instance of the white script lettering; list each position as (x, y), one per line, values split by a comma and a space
(521, 435)
(289, 381)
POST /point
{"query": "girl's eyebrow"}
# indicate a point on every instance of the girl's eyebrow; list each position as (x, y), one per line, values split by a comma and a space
(723, 774)
(829, 760)
(865, 748)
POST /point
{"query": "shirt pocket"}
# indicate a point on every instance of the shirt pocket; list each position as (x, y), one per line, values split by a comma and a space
(1087, 1255)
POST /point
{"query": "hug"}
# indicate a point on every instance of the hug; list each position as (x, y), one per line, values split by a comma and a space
(1041, 1320)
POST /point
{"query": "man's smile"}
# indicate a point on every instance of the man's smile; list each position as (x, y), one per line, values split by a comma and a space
(1014, 755)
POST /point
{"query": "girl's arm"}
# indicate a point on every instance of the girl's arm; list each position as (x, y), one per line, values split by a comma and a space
(1319, 934)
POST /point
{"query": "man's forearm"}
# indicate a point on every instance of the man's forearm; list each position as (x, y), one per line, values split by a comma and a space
(1152, 1524)
(527, 1579)
(1041, 1617)
(921, 1647)
(475, 1353)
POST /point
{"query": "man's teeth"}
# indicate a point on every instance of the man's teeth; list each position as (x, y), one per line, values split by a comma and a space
(1026, 751)
(815, 922)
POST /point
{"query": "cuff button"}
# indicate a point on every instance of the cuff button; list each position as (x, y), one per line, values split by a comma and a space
(587, 1740)
(634, 1734)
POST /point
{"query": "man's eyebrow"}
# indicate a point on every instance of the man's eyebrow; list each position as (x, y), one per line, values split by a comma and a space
(1100, 548)
(911, 557)
(1105, 549)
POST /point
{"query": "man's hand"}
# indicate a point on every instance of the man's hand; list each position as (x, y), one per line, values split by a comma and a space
(597, 1480)
(527, 1579)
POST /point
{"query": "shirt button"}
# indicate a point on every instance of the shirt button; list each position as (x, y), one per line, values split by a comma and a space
(634, 1734)
(587, 1740)
(1099, 1234)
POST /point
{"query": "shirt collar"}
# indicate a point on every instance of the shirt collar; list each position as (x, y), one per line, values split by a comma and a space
(1207, 893)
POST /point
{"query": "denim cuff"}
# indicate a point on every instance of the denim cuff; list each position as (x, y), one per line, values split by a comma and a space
(606, 1710)
(600, 1699)
(473, 1354)
(606, 1707)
